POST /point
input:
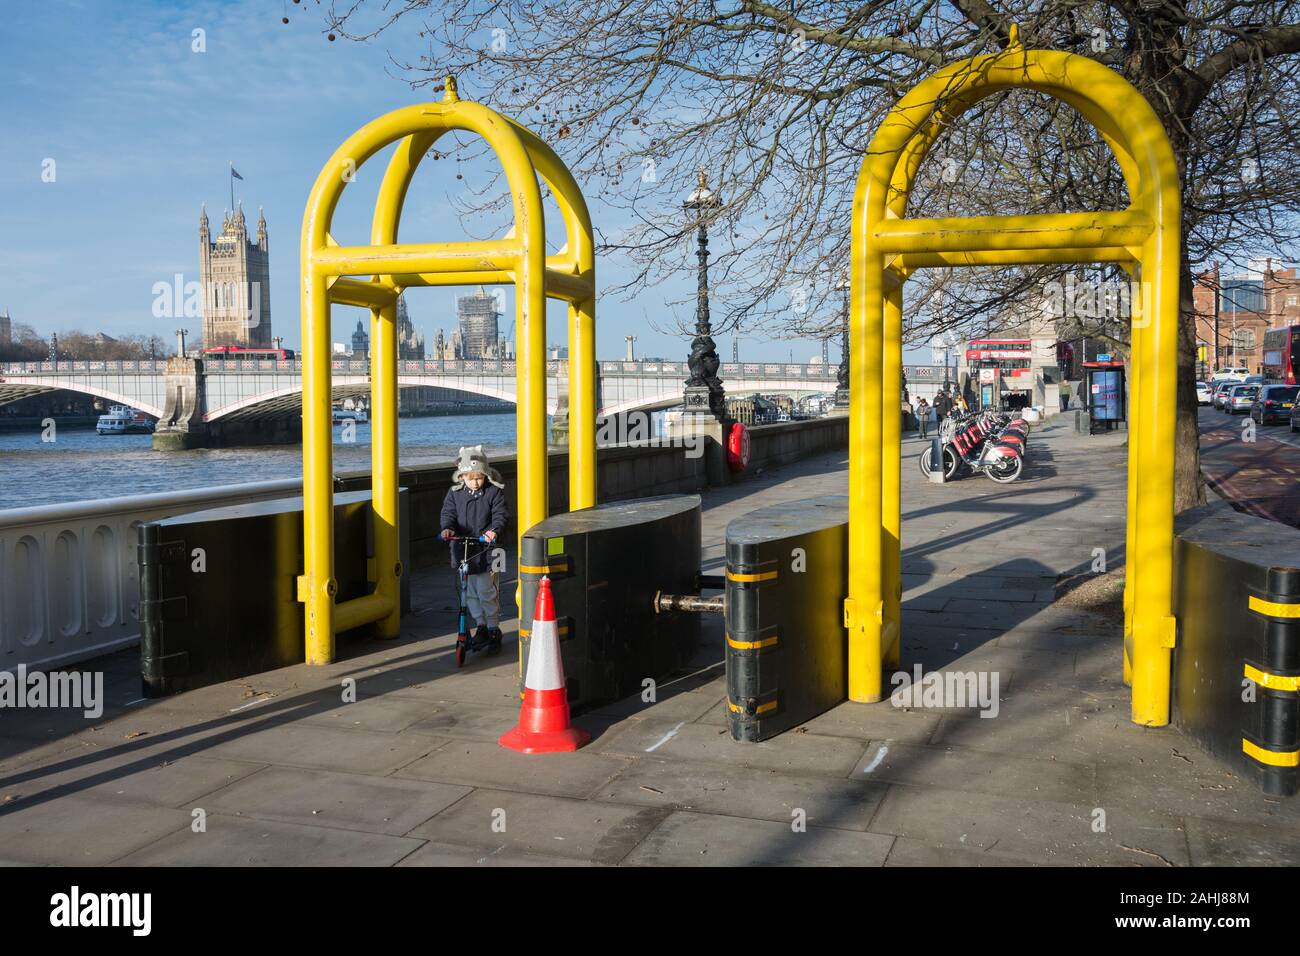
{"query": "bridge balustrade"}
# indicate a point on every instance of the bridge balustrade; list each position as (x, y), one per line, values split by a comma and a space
(418, 366)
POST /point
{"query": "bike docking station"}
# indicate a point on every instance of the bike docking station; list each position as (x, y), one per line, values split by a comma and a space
(935, 472)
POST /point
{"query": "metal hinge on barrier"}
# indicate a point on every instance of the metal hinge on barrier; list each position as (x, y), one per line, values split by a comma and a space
(163, 552)
(168, 609)
(1168, 631)
(850, 617)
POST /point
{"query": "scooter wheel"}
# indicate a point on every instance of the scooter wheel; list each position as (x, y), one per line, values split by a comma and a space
(1008, 469)
(462, 650)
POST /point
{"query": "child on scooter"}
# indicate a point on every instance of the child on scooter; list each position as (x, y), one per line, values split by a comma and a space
(475, 507)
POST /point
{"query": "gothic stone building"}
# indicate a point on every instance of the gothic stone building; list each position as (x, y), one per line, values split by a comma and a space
(235, 274)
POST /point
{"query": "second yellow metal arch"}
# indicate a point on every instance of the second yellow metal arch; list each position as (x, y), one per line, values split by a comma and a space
(886, 248)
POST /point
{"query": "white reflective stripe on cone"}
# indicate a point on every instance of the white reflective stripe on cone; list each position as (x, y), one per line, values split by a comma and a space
(545, 671)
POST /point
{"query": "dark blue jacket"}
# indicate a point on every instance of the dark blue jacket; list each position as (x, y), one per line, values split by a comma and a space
(470, 514)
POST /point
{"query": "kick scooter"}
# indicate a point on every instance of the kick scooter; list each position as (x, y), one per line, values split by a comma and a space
(463, 645)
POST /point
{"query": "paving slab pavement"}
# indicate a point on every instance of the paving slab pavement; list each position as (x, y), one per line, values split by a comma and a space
(286, 770)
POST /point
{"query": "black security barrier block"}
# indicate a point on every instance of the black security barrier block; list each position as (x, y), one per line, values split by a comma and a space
(1237, 657)
(605, 565)
(787, 647)
(218, 588)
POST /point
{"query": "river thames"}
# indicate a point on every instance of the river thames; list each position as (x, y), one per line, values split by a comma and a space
(80, 465)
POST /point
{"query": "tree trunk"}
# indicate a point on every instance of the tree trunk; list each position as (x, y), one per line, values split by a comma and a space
(1189, 489)
(1154, 67)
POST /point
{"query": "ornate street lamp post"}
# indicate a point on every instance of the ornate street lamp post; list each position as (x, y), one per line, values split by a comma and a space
(704, 393)
(842, 387)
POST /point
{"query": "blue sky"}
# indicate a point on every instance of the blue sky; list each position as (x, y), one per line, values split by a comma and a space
(141, 129)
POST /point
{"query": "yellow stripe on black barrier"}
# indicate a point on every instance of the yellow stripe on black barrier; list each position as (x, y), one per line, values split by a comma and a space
(1272, 681)
(760, 709)
(750, 645)
(1274, 758)
(750, 578)
(557, 568)
(561, 631)
(1274, 609)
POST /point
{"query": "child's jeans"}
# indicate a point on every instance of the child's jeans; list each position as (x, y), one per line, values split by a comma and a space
(482, 599)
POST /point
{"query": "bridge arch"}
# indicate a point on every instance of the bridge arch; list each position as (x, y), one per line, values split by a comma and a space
(276, 398)
(28, 386)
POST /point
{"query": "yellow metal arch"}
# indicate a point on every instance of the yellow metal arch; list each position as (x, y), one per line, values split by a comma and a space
(886, 248)
(330, 275)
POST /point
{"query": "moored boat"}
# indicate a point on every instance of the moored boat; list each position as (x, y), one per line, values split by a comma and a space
(123, 420)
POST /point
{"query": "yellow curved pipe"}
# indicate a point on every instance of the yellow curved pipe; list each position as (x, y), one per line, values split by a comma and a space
(371, 276)
(1144, 237)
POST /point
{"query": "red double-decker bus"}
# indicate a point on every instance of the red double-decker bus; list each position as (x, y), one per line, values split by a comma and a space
(1282, 354)
(1001, 370)
(242, 352)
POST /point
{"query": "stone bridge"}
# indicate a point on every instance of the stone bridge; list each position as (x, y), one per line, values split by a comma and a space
(266, 395)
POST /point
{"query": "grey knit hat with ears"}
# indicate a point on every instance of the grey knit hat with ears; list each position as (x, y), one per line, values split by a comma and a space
(473, 459)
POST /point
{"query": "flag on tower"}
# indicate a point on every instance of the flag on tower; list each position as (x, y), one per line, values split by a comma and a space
(234, 174)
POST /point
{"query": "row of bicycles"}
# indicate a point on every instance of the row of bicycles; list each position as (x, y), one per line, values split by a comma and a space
(986, 441)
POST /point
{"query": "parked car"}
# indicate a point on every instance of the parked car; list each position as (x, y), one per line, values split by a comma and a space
(1230, 374)
(1240, 398)
(1274, 403)
(1254, 380)
(1204, 394)
(1221, 392)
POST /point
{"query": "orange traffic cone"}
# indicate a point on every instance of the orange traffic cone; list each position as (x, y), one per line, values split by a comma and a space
(544, 726)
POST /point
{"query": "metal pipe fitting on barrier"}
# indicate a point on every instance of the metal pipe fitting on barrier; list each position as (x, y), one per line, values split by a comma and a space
(690, 602)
